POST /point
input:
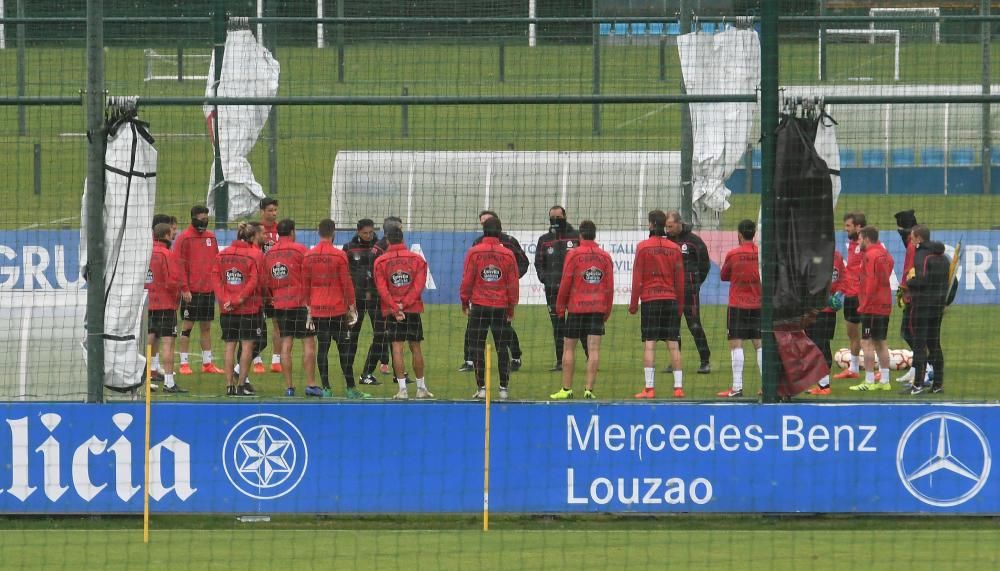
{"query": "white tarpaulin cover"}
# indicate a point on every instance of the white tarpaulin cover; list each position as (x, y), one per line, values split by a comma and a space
(715, 64)
(828, 149)
(129, 199)
(248, 70)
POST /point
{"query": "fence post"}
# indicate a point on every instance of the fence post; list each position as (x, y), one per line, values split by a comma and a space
(596, 70)
(221, 188)
(180, 62)
(687, 137)
(271, 42)
(987, 141)
(94, 207)
(38, 169)
(768, 125)
(406, 114)
(340, 43)
(502, 63)
(663, 59)
(22, 122)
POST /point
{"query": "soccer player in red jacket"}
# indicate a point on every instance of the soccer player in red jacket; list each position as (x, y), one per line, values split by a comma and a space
(330, 297)
(853, 223)
(658, 281)
(400, 276)
(741, 269)
(874, 308)
(489, 293)
(163, 281)
(237, 279)
(587, 293)
(821, 330)
(269, 224)
(196, 250)
(284, 280)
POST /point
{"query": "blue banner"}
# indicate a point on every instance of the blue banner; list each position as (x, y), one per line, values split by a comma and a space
(47, 260)
(428, 458)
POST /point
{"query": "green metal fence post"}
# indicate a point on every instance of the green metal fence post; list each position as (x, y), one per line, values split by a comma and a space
(271, 43)
(22, 122)
(95, 200)
(768, 124)
(221, 188)
(340, 43)
(687, 136)
(987, 136)
(596, 71)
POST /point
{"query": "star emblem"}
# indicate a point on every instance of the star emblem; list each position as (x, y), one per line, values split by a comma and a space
(943, 459)
(268, 456)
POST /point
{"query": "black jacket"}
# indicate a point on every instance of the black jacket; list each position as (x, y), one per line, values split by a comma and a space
(514, 246)
(550, 253)
(928, 289)
(361, 260)
(696, 260)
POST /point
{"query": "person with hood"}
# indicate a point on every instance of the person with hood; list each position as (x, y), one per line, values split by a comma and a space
(196, 249)
(905, 221)
(696, 267)
(361, 254)
(927, 284)
(163, 282)
(550, 254)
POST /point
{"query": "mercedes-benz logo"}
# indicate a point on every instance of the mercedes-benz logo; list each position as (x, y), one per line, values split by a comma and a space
(265, 456)
(936, 470)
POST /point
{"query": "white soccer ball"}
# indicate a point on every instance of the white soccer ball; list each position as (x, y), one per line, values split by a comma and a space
(899, 359)
(843, 358)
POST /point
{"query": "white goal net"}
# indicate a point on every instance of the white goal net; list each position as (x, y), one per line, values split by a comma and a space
(911, 31)
(177, 66)
(859, 55)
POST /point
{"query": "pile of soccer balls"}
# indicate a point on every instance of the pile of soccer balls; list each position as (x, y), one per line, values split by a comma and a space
(899, 359)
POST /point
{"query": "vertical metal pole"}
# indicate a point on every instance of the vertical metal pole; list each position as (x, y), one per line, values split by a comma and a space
(596, 70)
(38, 169)
(987, 142)
(663, 59)
(748, 168)
(502, 63)
(340, 43)
(271, 42)
(22, 122)
(222, 189)
(687, 137)
(3, 28)
(822, 42)
(768, 125)
(94, 206)
(406, 114)
(180, 62)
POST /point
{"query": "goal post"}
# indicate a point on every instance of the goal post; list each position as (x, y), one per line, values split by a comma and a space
(911, 30)
(870, 35)
(178, 66)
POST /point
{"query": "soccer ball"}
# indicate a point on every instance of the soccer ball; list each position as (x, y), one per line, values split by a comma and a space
(899, 359)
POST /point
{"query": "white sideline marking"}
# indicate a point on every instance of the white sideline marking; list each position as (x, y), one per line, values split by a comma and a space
(49, 223)
(644, 115)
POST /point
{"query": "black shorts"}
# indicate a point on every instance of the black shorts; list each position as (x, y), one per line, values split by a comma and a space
(583, 325)
(200, 308)
(743, 323)
(874, 327)
(409, 329)
(824, 327)
(268, 311)
(851, 314)
(163, 322)
(334, 328)
(242, 327)
(292, 322)
(661, 320)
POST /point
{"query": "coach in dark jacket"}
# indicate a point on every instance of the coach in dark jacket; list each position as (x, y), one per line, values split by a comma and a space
(361, 253)
(928, 286)
(696, 267)
(550, 253)
(511, 243)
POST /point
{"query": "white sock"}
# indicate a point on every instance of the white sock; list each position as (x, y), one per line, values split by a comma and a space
(854, 363)
(885, 375)
(206, 357)
(650, 374)
(678, 379)
(168, 380)
(928, 373)
(156, 363)
(470, 363)
(737, 356)
(258, 360)
(184, 358)
(824, 382)
(236, 369)
(402, 383)
(869, 377)
(760, 361)
(275, 359)
(420, 384)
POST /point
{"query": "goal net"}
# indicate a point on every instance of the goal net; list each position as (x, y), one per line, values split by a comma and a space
(911, 31)
(177, 66)
(859, 55)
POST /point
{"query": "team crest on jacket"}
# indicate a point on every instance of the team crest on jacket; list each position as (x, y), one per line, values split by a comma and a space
(491, 273)
(593, 275)
(234, 277)
(279, 271)
(149, 275)
(400, 278)
(684, 249)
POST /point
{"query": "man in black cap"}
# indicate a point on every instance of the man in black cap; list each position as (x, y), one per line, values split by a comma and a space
(696, 266)
(550, 253)
(361, 253)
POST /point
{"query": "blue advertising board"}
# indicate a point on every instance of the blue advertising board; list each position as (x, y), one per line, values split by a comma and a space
(428, 458)
(47, 260)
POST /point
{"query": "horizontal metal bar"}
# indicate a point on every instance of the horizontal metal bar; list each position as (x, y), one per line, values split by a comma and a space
(449, 100)
(110, 19)
(41, 101)
(914, 99)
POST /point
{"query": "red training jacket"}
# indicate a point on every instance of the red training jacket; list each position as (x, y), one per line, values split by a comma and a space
(400, 276)
(237, 278)
(163, 279)
(326, 279)
(875, 297)
(283, 274)
(490, 276)
(852, 272)
(270, 236)
(657, 272)
(837, 279)
(588, 281)
(196, 253)
(742, 270)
